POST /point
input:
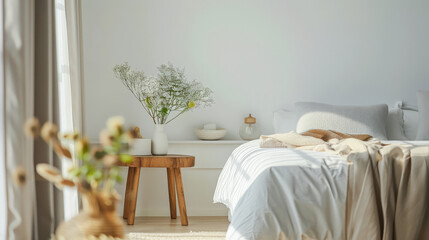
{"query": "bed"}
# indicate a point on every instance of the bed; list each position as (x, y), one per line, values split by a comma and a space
(284, 193)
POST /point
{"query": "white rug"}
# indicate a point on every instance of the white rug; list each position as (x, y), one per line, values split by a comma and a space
(177, 236)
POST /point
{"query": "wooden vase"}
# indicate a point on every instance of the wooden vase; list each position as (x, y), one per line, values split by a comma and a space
(98, 218)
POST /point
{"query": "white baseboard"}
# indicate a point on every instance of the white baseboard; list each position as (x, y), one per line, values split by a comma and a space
(191, 212)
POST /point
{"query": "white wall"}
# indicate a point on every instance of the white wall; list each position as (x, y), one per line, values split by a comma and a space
(257, 56)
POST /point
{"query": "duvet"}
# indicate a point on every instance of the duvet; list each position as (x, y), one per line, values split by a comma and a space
(272, 192)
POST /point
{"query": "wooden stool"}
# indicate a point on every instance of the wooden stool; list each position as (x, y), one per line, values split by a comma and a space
(173, 163)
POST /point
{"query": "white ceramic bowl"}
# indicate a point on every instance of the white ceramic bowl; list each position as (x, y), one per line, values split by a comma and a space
(205, 134)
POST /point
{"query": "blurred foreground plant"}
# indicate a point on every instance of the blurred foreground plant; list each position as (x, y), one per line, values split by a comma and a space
(95, 173)
(96, 167)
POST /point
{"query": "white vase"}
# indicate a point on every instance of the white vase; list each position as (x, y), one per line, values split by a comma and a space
(159, 140)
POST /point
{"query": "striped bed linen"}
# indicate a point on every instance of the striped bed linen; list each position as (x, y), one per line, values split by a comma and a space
(273, 190)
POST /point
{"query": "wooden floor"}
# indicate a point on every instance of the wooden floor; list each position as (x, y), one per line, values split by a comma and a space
(167, 225)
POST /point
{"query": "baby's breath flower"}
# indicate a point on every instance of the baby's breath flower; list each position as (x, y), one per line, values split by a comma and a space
(168, 93)
(191, 104)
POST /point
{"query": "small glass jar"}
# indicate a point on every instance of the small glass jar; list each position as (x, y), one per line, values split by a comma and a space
(249, 130)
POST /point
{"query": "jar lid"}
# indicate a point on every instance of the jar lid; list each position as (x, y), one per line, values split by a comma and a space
(250, 119)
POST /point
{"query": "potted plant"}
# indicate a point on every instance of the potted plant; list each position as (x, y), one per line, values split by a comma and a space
(95, 174)
(164, 97)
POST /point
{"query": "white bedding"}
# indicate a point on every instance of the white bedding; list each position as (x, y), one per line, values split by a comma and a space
(279, 189)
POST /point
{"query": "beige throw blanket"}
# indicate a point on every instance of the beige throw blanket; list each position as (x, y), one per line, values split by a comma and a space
(387, 189)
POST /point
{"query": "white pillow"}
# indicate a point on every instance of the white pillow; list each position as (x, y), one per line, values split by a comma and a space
(423, 105)
(284, 121)
(347, 119)
(395, 125)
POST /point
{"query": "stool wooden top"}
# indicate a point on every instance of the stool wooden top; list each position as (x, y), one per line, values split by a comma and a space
(166, 161)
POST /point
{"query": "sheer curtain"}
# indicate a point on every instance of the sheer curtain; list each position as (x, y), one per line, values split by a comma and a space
(18, 97)
(67, 27)
(40, 77)
(3, 198)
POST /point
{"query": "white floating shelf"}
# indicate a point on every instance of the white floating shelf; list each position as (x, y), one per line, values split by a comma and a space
(215, 142)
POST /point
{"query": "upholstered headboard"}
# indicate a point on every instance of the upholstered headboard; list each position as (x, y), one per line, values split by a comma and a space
(401, 124)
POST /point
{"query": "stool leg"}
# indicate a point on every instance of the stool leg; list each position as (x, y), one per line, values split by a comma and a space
(181, 197)
(128, 192)
(171, 193)
(133, 196)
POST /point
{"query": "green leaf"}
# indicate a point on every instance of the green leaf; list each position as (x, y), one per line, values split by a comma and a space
(84, 169)
(74, 172)
(125, 158)
(119, 178)
(164, 111)
(98, 175)
(99, 154)
(94, 174)
(114, 175)
(85, 156)
(148, 102)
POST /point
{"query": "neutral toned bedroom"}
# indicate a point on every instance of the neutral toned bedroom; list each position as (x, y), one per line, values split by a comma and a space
(209, 120)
